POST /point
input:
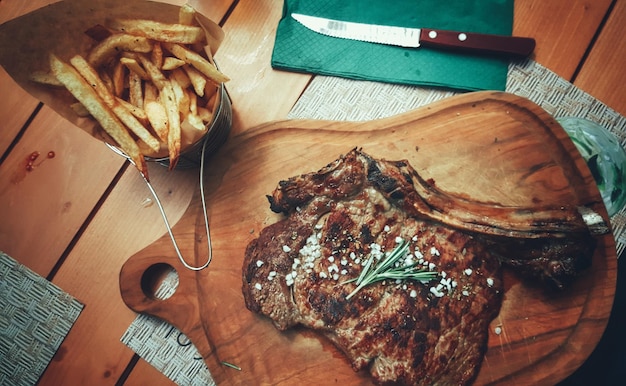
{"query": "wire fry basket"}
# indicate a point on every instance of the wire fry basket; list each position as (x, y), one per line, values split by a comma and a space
(195, 156)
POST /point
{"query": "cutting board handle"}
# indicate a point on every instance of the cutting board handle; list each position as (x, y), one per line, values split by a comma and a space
(181, 309)
(135, 277)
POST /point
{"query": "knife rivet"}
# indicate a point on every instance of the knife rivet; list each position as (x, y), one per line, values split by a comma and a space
(462, 37)
(432, 34)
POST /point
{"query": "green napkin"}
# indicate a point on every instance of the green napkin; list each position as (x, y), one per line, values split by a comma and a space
(299, 49)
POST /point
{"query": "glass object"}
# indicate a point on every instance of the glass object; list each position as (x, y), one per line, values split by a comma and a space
(605, 157)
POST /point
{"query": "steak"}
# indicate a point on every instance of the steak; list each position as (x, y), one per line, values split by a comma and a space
(301, 270)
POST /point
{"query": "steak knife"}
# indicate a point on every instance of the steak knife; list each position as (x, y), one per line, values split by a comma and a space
(416, 37)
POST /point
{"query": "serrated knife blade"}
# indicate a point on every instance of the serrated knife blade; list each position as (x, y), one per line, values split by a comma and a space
(417, 37)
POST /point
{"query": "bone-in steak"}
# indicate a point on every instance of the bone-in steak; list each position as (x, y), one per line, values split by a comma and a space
(298, 271)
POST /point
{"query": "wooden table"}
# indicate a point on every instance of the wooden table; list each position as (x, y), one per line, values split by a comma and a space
(63, 220)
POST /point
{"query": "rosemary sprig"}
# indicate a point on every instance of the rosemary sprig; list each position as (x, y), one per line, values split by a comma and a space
(387, 268)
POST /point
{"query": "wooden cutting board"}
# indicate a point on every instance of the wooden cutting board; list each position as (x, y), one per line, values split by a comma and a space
(487, 145)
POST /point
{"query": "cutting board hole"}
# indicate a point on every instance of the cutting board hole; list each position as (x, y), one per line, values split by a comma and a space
(159, 281)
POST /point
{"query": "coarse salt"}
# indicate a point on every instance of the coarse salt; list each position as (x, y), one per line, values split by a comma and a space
(436, 292)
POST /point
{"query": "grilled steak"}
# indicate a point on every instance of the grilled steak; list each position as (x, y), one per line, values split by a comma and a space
(301, 270)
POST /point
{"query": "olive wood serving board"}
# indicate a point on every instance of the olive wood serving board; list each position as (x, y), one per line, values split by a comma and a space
(489, 146)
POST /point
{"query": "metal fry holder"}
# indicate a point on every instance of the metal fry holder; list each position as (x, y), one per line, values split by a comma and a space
(195, 156)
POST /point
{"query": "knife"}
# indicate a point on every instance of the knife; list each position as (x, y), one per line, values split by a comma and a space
(416, 37)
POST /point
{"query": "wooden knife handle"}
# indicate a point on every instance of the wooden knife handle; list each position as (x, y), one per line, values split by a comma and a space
(495, 44)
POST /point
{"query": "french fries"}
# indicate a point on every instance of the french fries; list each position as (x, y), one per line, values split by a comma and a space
(186, 14)
(45, 78)
(197, 61)
(91, 76)
(172, 33)
(146, 83)
(132, 64)
(87, 96)
(110, 46)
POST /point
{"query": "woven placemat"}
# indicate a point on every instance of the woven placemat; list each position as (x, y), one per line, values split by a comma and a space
(339, 99)
(35, 318)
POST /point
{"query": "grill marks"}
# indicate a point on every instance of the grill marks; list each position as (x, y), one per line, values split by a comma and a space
(399, 332)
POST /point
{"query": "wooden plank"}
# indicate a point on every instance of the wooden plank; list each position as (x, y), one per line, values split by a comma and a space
(602, 74)
(42, 209)
(15, 111)
(258, 92)
(127, 221)
(562, 29)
